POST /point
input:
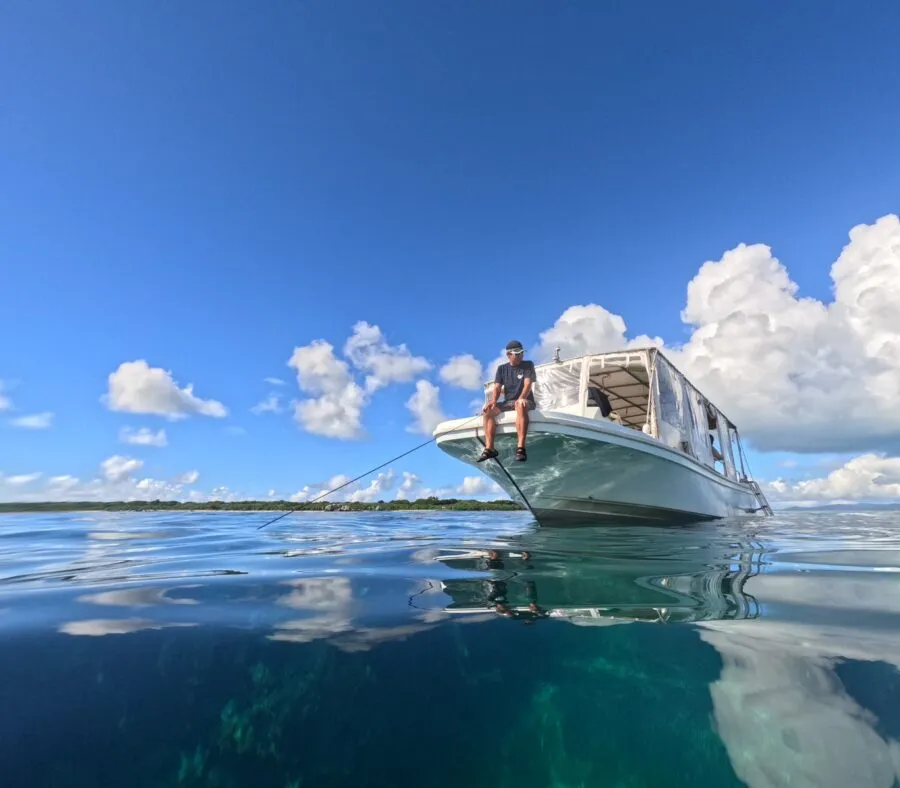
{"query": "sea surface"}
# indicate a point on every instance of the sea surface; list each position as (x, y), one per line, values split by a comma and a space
(448, 649)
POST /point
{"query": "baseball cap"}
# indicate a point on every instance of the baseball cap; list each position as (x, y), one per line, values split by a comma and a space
(514, 346)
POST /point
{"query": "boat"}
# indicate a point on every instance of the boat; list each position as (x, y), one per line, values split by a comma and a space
(615, 437)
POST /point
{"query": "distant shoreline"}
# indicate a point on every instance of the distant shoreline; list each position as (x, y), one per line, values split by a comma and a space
(422, 504)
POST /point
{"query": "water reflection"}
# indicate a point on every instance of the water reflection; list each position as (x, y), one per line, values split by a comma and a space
(600, 577)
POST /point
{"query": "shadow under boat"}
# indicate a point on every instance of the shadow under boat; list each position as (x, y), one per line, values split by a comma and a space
(649, 574)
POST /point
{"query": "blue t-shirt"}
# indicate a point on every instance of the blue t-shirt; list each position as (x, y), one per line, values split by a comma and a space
(513, 379)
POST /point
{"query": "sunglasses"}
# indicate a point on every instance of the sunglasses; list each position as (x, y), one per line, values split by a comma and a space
(515, 352)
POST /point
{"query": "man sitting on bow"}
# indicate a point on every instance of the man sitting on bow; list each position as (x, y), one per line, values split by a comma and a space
(516, 380)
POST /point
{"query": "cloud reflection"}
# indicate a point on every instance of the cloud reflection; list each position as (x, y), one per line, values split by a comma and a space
(96, 627)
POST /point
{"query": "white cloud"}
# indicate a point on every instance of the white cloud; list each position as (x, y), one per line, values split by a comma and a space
(377, 489)
(464, 372)
(426, 407)
(587, 328)
(796, 373)
(136, 387)
(476, 485)
(37, 421)
(188, 477)
(22, 479)
(271, 404)
(117, 468)
(143, 437)
(311, 491)
(408, 486)
(335, 410)
(868, 477)
(368, 350)
(274, 381)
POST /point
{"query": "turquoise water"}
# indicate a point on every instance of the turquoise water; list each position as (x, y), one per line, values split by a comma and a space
(441, 649)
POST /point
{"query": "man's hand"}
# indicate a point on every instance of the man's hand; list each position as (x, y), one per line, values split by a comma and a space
(487, 407)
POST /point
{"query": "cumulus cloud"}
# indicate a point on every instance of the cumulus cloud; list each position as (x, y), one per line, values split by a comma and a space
(793, 373)
(868, 477)
(143, 437)
(271, 404)
(310, 491)
(117, 467)
(136, 387)
(117, 482)
(464, 372)
(425, 405)
(36, 421)
(335, 409)
(188, 477)
(796, 373)
(587, 328)
(369, 351)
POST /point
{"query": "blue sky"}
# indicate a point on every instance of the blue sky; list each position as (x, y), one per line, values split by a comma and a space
(207, 186)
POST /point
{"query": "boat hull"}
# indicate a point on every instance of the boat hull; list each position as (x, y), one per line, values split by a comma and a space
(585, 471)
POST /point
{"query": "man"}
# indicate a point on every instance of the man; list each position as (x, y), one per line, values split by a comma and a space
(516, 379)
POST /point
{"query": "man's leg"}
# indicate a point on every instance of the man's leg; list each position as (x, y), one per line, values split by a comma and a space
(522, 421)
(490, 426)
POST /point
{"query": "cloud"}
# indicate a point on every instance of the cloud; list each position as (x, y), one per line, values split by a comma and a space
(117, 468)
(464, 372)
(136, 387)
(5, 402)
(411, 488)
(235, 430)
(274, 381)
(311, 491)
(37, 421)
(335, 409)
(426, 408)
(377, 489)
(868, 477)
(271, 404)
(369, 351)
(796, 373)
(21, 479)
(476, 485)
(143, 437)
(587, 328)
(188, 477)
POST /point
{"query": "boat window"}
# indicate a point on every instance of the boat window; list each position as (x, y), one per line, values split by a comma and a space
(670, 411)
(558, 385)
(725, 448)
(698, 416)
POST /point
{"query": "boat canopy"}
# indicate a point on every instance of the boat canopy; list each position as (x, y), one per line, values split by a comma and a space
(643, 390)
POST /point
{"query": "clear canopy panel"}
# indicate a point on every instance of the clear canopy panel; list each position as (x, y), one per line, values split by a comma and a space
(558, 385)
(670, 406)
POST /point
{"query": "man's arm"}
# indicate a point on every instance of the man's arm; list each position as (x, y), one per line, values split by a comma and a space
(492, 402)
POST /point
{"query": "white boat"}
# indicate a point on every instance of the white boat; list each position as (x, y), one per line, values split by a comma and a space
(649, 458)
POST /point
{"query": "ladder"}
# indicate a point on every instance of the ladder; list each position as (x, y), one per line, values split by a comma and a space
(760, 496)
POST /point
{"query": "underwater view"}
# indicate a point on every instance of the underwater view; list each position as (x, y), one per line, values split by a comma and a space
(446, 649)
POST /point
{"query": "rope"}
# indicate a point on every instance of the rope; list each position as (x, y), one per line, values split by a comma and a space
(367, 473)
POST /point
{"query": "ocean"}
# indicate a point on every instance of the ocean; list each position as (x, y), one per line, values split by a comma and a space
(447, 649)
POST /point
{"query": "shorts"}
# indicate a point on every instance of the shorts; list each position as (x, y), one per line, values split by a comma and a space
(511, 405)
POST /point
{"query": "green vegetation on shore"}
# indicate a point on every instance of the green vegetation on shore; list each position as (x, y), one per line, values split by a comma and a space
(420, 504)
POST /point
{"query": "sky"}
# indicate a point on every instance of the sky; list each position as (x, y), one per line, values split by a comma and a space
(246, 252)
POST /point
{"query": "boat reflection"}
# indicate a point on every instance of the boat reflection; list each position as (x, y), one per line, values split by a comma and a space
(594, 578)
